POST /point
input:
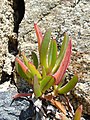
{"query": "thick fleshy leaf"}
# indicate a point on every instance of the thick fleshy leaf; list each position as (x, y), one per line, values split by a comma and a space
(31, 67)
(25, 59)
(78, 113)
(46, 83)
(58, 105)
(35, 59)
(52, 55)
(22, 69)
(33, 70)
(18, 95)
(44, 48)
(62, 52)
(43, 72)
(39, 35)
(64, 64)
(36, 87)
(70, 85)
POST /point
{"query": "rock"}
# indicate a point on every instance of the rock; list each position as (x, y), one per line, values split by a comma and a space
(61, 16)
(82, 96)
(8, 41)
(6, 29)
(7, 112)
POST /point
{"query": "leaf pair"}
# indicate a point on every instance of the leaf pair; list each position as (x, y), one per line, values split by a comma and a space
(52, 55)
(47, 49)
(23, 70)
(26, 70)
(62, 52)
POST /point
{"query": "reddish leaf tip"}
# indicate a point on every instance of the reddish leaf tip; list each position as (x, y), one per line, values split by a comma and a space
(25, 69)
(64, 64)
(80, 107)
(39, 34)
(21, 95)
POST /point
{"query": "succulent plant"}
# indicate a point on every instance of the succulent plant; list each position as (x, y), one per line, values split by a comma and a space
(49, 70)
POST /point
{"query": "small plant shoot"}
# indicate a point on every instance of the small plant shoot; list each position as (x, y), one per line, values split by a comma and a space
(53, 65)
(48, 71)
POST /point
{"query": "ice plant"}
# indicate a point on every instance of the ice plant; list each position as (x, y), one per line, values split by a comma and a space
(50, 71)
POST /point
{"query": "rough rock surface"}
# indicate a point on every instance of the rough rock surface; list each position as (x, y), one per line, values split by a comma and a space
(7, 112)
(62, 16)
(70, 16)
(6, 28)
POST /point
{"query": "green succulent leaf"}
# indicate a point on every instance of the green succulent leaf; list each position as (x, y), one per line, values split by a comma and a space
(31, 67)
(43, 72)
(35, 59)
(22, 70)
(62, 52)
(52, 55)
(70, 85)
(46, 83)
(33, 70)
(64, 64)
(24, 59)
(39, 35)
(36, 87)
(78, 113)
(44, 48)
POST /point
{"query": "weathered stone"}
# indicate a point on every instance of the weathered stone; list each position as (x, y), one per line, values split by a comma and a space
(82, 96)
(61, 16)
(7, 112)
(6, 29)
